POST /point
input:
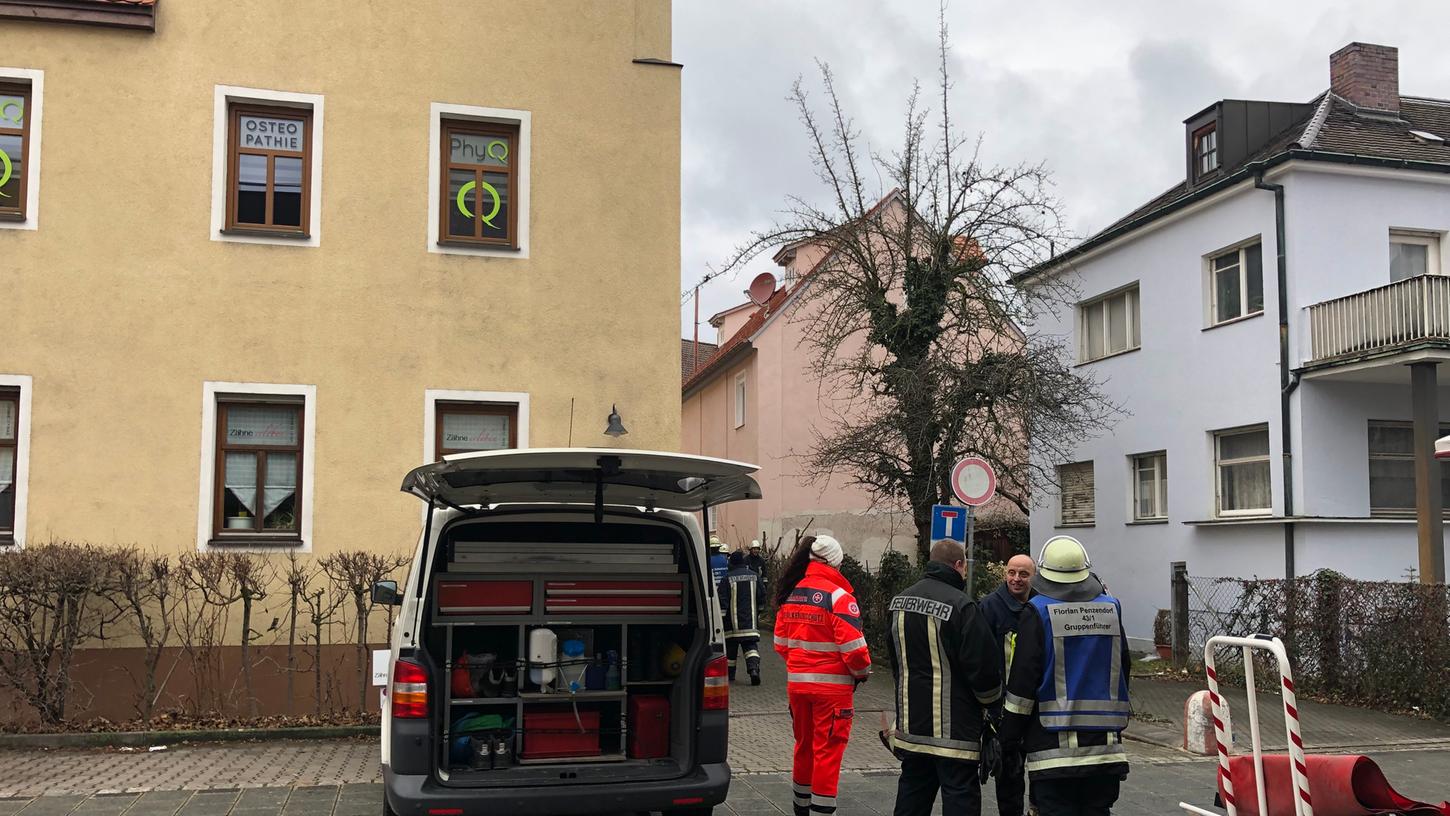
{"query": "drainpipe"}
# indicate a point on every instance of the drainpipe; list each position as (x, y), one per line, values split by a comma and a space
(1288, 381)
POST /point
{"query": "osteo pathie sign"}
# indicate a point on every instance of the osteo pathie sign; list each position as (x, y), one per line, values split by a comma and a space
(974, 483)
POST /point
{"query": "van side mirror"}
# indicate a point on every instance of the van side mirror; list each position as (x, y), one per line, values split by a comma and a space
(386, 593)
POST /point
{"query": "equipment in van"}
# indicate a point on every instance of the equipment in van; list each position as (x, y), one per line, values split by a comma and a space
(574, 664)
(543, 658)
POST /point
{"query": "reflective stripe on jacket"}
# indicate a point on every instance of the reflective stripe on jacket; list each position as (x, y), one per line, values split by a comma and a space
(818, 632)
(739, 596)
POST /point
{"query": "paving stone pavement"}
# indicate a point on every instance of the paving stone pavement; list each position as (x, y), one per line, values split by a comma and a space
(341, 778)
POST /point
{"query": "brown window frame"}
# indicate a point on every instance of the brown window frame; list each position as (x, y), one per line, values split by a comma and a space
(7, 534)
(446, 164)
(235, 112)
(18, 211)
(1198, 157)
(445, 407)
(220, 533)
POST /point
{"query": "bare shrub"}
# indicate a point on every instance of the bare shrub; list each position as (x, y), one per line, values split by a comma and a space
(354, 572)
(145, 595)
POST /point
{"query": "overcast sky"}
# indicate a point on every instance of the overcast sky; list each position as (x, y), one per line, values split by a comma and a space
(1098, 91)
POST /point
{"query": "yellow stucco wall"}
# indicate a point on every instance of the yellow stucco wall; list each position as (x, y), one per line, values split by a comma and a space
(121, 305)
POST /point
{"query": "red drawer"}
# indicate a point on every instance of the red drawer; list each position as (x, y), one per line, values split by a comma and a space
(649, 726)
(466, 597)
(554, 734)
(615, 597)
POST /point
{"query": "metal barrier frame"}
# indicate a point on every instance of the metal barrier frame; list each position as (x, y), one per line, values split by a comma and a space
(1303, 805)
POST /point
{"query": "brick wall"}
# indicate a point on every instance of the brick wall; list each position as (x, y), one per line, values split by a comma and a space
(1367, 75)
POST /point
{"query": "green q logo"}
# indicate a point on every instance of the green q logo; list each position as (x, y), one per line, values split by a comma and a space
(6, 170)
(499, 151)
(12, 117)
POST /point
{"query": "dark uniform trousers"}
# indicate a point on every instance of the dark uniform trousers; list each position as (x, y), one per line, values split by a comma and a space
(1077, 795)
(1012, 784)
(922, 774)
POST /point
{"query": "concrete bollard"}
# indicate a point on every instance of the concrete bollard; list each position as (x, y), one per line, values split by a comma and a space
(1199, 733)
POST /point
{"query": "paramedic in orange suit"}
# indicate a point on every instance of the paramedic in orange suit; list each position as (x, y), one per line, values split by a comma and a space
(818, 632)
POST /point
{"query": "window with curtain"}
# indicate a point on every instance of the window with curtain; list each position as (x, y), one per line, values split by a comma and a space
(1109, 324)
(1242, 460)
(259, 469)
(465, 427)
(1150, 486)
(1078, 495)
(1413, 254)
(9, 433)
(1392, 469)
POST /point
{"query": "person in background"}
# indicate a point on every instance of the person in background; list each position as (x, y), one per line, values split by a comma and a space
(719, 565)
(756, 561)
(1002, 609)
(948, 671)
(739, 595)
(818, 632)
(1067, 695)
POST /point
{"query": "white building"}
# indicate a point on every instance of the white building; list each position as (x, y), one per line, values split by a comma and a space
(1293, 285)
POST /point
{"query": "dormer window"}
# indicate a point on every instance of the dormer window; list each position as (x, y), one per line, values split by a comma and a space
(1205, 150)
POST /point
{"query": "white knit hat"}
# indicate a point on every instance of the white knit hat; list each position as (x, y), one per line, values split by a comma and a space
(827, 549)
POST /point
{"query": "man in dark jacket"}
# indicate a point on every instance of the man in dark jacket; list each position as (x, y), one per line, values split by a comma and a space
(740, 598)
(1002, 609)
(1067, 695)
(948, 670)
(756, 561)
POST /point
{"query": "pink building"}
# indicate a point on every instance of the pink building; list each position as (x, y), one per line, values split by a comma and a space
(751, 396)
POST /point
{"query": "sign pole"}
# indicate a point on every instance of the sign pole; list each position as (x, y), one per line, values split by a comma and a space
(971, 559)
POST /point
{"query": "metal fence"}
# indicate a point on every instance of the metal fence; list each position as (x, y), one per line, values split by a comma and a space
(1379, 643)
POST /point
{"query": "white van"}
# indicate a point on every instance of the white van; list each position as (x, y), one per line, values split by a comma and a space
(558, 648)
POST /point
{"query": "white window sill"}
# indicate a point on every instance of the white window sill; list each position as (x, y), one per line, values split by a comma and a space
(1231, 322)
(1108, 356)
(1061, 526)
(1145, 522)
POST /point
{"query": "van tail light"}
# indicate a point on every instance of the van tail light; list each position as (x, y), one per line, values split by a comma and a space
(717, 684)
(410, 690)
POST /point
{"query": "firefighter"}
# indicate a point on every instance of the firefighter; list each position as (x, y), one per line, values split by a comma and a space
(1067, 694)
(756, 561)
(739, 594)
(948, 671)
(818, 632)
(1003, 608)
(719, 564)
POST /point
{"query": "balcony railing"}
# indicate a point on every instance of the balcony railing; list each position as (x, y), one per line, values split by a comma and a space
(1400, 314)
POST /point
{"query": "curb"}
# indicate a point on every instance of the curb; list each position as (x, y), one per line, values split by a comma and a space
(138, 739)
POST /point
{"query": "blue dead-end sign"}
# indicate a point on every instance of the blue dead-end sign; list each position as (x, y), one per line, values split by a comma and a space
(948, 522)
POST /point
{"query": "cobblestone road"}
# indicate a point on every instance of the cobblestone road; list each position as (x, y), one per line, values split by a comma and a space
(340, 777)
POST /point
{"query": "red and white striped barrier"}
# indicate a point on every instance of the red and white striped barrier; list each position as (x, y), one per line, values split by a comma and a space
(1303, 804)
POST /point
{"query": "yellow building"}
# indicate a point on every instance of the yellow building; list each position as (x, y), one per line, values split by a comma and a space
(258, 259)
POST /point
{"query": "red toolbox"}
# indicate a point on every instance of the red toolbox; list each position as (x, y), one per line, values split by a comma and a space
(554, 733)
(615, 597)
(458, 596)
(649, 726)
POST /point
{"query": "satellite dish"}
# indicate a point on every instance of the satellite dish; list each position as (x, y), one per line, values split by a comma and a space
(761, 288)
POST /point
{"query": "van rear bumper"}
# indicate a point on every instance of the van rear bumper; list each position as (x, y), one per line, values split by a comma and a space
(416, 795)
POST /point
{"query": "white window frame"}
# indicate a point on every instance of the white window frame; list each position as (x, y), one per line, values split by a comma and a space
(22, 453)
(210, 391)
(34, 116)
(1424, 238)
(1133, 341)
(740, 394)
(1211, 281)
(437, 112)
(224, 96)
(433, 396)
(1062, 488)
(1207, 137)
(1219, 462)
(1158, 461)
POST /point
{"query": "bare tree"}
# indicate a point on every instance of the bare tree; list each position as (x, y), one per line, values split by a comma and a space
(918, 332)
(298, 579)
(250, 577)
(322, 604)
(209, 589)
(51, 603)
(146, 596)
(355, 572)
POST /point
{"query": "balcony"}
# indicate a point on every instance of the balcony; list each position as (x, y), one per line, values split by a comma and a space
(1393, 321)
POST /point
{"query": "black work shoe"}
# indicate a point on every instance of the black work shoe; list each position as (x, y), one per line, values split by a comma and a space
(755, 678)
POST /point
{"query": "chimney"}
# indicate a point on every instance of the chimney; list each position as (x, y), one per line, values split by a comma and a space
(1367, 75)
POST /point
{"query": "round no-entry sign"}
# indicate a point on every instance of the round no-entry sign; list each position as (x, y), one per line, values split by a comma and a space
(973, 481)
